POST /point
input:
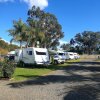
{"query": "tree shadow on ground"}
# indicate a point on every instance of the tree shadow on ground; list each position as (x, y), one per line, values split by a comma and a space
(83, 68)
(69, 76)
(52, 79)
(85, 63)
(85, 92)
(88, 72)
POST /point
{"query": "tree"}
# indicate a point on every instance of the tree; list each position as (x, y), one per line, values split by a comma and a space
(88, 40)
(47, 30)
(72, 41)
(5, 47)
(18, 32)
(66, 47)
(41, 29)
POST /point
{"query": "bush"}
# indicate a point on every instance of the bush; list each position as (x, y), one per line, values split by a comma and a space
(8, 68)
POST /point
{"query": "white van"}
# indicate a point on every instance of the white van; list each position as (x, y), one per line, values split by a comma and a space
(69, 55)
(32, 55)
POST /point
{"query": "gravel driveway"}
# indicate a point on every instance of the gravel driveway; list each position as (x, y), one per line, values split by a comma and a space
(79, 81)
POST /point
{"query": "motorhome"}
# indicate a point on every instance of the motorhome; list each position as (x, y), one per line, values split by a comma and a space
(32, 55)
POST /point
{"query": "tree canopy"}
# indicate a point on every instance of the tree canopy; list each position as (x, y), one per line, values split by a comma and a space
(47, 30)
(18, 31)
(66, 47)
(5, 47)
(88, 41)
(41, 28)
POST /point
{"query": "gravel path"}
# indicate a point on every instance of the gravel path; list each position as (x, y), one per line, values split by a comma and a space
(80, 81)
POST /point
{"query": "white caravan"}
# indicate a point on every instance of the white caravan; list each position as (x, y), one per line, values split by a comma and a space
(32, 55)
(69, 55)
(76, 56)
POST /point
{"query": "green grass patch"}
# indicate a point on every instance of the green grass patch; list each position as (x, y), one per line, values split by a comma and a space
(21, 74)
(72, 61)
(29, 73)
(0, 73)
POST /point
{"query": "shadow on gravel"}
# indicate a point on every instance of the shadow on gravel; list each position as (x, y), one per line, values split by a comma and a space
(82, 67)
(73, 73)
(78, 72)
(85, 63)
(86, 92)
(42, 80)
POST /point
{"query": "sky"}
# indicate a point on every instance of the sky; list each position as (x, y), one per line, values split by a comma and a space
(75, 16)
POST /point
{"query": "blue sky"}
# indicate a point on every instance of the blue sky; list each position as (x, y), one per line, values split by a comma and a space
(74, 15)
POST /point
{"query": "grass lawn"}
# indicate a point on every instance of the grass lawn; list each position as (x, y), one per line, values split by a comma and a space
(29, 73)
(21, 74)
(0, 73)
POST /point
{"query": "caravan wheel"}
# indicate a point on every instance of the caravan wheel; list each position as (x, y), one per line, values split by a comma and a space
(55, 62)
(22, 64)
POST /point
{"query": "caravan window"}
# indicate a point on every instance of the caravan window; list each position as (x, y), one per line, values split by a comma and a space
(40, 53)
(71, 54)
(29, 52)
(61, 54)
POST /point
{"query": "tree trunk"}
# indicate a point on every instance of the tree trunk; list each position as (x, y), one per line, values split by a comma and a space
(33, 44)
(21, 44)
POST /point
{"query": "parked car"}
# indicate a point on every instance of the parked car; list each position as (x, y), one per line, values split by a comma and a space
(58, 59)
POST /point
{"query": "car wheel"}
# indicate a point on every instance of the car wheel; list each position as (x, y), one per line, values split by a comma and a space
(62, 62)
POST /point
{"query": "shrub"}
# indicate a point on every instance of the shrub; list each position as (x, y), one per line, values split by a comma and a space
(8, 68)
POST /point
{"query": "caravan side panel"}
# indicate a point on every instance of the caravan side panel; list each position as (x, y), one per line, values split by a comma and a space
(28, 56)
(18, 55)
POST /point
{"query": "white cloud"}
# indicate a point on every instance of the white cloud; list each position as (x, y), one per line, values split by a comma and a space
(38, 3)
